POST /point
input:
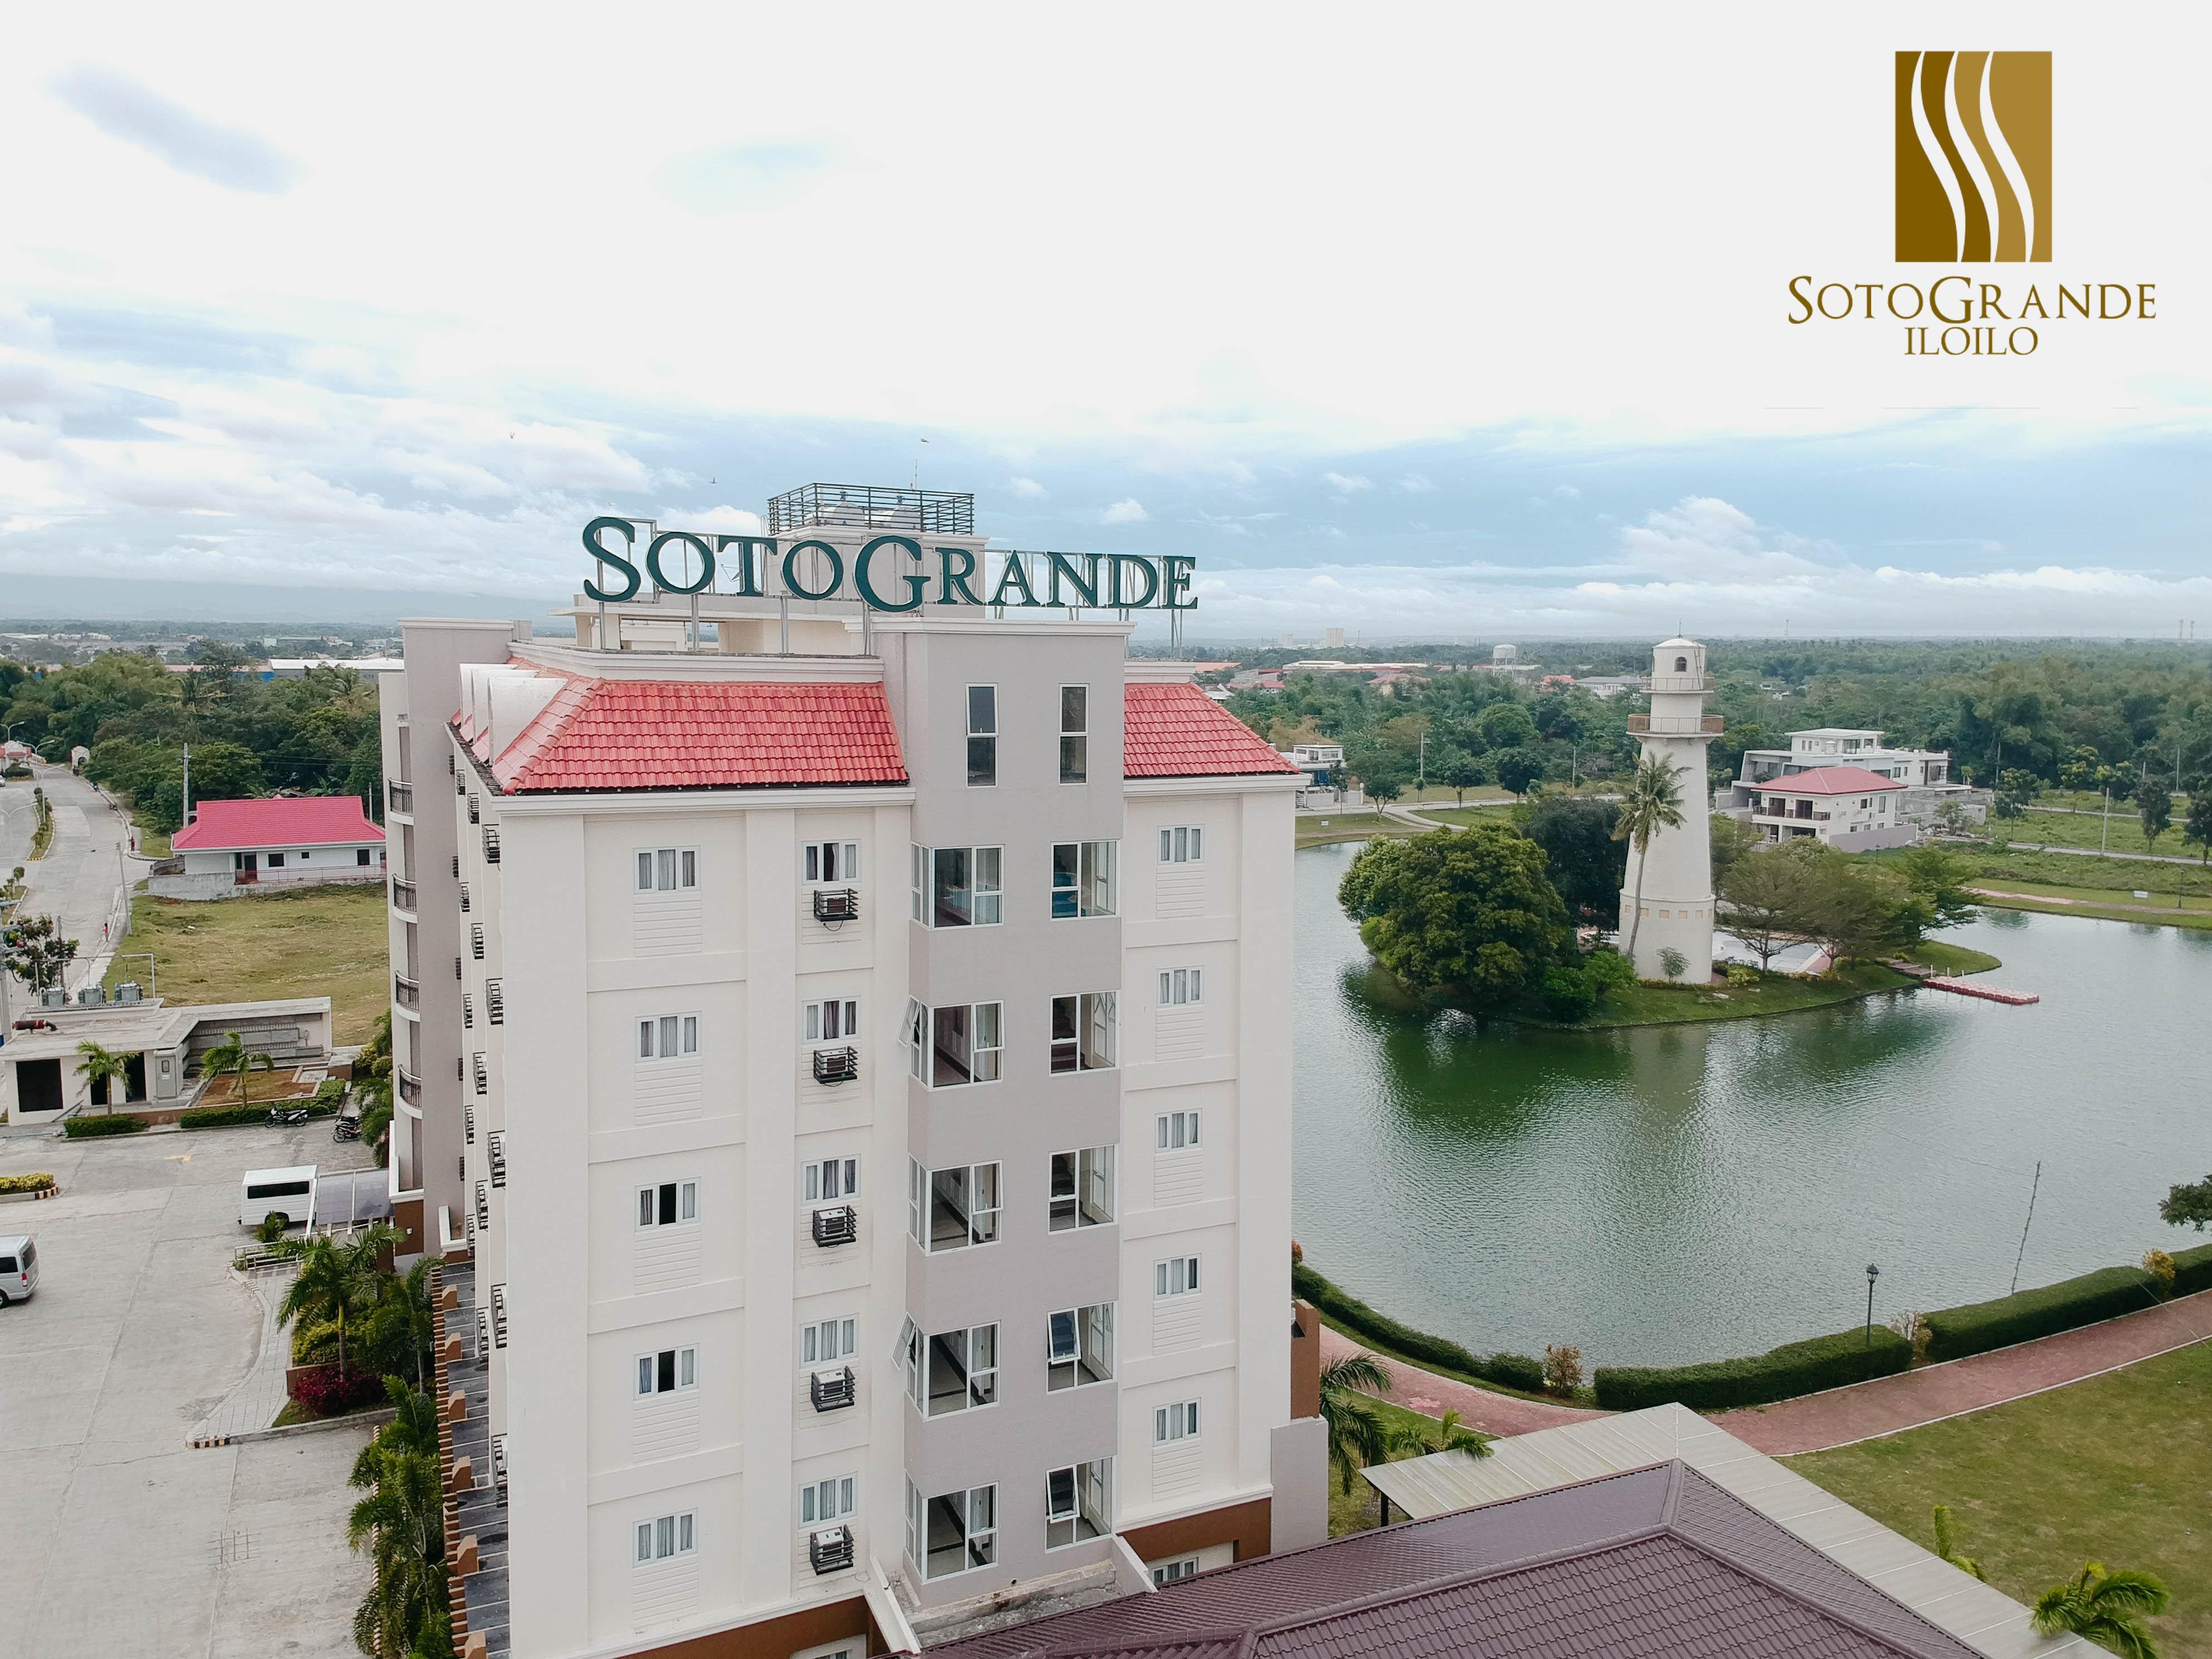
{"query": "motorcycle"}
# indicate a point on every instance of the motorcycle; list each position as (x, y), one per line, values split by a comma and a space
(346, 1129)
(286, 1115)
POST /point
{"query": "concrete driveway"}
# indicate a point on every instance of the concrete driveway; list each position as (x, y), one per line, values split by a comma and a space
(120, 1539)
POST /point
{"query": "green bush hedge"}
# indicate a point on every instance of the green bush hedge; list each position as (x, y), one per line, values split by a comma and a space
(224, 1117)
(89, 1128)
(1783, 1373)
(1515, 1370)
(1356, 1317)
(26, 1183)
(2193, 1270)
(1954, 1333)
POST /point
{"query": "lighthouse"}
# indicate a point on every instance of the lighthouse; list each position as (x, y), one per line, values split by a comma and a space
(1671, 907)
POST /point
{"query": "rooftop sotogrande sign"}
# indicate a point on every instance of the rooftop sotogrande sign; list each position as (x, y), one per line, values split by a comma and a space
(889, 572)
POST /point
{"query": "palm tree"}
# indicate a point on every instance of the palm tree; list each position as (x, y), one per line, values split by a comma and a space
(328, 1287)
(1946, 1546)
(1355, 1434)
(103, 1066)
(235, 1056)
(1653, 802)
(399, 1333)
(402, 1524)
(413, 1429)
(2107, 1607)
(1450, 1434)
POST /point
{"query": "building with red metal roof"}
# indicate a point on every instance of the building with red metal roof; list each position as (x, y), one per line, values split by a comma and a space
(231, 846)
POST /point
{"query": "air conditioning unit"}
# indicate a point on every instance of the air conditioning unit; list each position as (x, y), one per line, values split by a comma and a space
(91, 997)
(53, 997)
(830, 1550)
(831, 1390)
(838, 1225)
(128, 992)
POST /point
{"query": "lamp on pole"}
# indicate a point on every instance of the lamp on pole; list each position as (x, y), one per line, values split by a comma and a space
(1873, 1274)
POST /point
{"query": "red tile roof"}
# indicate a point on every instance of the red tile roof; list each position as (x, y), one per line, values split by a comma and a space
(670, 735)
(1831, 781)
(299, 820)
(1174, 730)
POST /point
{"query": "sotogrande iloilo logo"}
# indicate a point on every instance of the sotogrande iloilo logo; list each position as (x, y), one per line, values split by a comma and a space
(1973, 156)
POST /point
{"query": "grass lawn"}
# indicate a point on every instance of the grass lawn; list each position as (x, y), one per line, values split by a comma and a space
(1348, 826)
(1437, 794)
(1673, 1005)
(2114, 1469)
(1489, 813)
(2082, 830)
(1951, 958)
(321, 941)
(2107, 904)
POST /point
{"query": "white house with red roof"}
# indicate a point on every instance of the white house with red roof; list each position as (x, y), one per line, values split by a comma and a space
(862, 1094)
(1847, 807)
(234, 846)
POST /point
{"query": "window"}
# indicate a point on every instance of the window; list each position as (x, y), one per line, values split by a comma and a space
(1173, 1131)
(1083, 879)
(1173, 1423)
(826, 1341)
(361, 855)
(671, 1204)
(1083, 1031)
(1079, 1503)
(1177, 1277)
(821, 1502)
(668, 1371)
(1074, 726)
(671, 1535)
(667, 869)
(954, 1370)
(947, 1047)
(957, 887)
(669, 1036)
(831, 860)
(276, 860)
(829, 1022)
(832, 1179)
(1082, 1188)
(1080, 1347)
(1174, 1572)
(983, 735)
(951, 1533)
(950, 1209)
(1184, 844)
(1182, 985)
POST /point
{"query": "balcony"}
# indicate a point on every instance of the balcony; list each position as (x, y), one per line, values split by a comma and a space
(836, 1066)
(407, 993)
(411, 1087)
(498, 1315)
(494, 1003)
(830, 1550)
(1669, 727)
(496, 1143)
(836, 1225)
(400, 796)
(491, 843)
(870, 506)
(1762, 816)
(835, 906)
(403, 896)
(831, 1390)
(1676, 684)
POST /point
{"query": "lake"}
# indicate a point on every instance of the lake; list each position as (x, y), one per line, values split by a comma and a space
(1681, 1193)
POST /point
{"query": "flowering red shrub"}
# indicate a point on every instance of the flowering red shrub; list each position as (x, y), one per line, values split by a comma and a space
(323, 1389)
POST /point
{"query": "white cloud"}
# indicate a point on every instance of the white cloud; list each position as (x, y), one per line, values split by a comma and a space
(1128, 510)
(133, 112)
(1346, 484)
(1415, 484)
(1028, 488)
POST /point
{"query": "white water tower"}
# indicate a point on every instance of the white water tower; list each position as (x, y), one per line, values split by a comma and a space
(1676, 901)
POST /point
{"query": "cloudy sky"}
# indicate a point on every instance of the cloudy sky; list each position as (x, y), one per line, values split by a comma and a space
(1411, 321)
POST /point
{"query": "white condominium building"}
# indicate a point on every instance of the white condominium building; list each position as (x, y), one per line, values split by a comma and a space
(867, 1100)
(1923, 776)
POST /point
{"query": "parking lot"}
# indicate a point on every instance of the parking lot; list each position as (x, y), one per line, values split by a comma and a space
(122, 1539)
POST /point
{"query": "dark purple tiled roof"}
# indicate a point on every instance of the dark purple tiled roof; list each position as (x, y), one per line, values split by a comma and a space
(1653, 1563)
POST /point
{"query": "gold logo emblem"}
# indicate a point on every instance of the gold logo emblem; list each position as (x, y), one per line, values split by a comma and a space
(1973, 156)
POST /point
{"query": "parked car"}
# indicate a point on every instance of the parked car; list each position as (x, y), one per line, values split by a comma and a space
(19, 1268)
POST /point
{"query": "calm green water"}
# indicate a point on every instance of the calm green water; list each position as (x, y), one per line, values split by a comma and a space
(1674, 1194)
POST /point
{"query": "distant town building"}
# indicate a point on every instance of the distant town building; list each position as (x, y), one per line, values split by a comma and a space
(1609, 685)
(1925, 774)
(1667, 900)
(293, 668)
(1332, 640)
(240, 846)
(1848, 807)
(1503, 656)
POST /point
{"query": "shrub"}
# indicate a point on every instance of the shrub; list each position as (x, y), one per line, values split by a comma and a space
(26, 1183)
(325, 1390)
(1563, 1369)
(1740, 977)
(2193, 1270)
(91, 1128)
(1569, 994)
(1384, 1332)
(226, 1117)
(2159, 1266)
(269, 1228)
(1912, 1326)
(1514, 1371)
(1954, 1333)
(315, 1344)
(328, 1095)
(1671, 963)
(1783, 1373)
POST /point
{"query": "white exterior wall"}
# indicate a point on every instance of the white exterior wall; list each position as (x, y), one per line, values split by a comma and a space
(1671, 883)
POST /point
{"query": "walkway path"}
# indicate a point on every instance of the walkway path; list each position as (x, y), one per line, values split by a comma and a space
(260, 1395)
(1865, 1411)
(81, 879)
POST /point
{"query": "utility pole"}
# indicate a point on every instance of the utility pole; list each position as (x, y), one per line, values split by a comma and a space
(184, 817)
(2105, 835)
(1421, 782)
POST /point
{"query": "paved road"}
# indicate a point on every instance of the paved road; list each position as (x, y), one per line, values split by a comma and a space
(120, 1539)
(80, 880)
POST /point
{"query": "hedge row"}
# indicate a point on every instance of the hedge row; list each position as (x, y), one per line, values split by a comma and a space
(1512, 1371)
(1783, 1373)
(223, 1117)
(26, 1183)
(1954, 1333)
(89, 1128)
(2193, 1270)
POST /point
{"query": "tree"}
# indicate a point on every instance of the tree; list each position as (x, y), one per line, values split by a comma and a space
(1517, 769)
(2107, 1607)
(2188, 1204)
(1939, 879)
(2015, 790)
(1467, 910)
(102, 1067)
(1766, 899)
(401, 1523)
(413, 1428)
(2156, 802)
(1506, 725)
(398, 1333)
(234, 1056)
(1450, 1434)
(328, 1289)
(1947, 1547)
(2197, 826)
(1385, 786)
(1587, 864)
(35, 951)
(1459, 773)
(1855, 908)
(1355, 1434)
(1732, 839)
(1654, 802)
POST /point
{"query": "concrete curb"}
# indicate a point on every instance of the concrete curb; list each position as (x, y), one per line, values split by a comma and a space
(381, 1415)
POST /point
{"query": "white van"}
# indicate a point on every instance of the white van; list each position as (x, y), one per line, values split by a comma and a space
(288, 1192)
(18, 1270)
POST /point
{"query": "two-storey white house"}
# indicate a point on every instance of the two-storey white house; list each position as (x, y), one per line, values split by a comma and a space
(873, 1088)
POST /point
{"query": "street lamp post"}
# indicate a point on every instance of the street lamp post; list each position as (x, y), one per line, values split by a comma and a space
(1873, 1274)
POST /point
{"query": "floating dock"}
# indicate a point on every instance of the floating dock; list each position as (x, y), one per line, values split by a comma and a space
(1987, 993)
